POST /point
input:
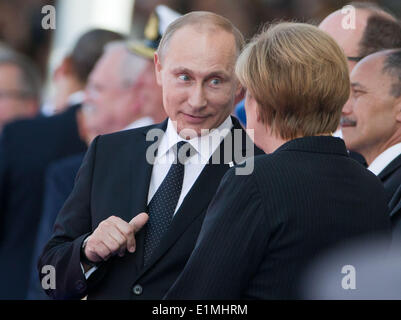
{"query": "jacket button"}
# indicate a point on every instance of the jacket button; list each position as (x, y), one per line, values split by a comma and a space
(80, 286)
(137, 289)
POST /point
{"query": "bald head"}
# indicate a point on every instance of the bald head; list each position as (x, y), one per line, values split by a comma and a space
(348, 39)
(354, 40)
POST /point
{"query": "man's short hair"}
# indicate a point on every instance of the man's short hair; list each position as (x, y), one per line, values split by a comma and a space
(381, 32)
(30, 80)
(89, 49)
(201, 19)
(299, 77)
(392, 66)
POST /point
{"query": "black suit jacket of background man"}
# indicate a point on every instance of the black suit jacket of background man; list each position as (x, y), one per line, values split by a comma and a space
(114, 180)
(391, 178)
(261, 230)
(27, 147)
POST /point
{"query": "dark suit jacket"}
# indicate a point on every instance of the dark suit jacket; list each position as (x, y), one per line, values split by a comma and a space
(26, 148)
(261, 230)
(114, 180)
(59, 183)
(391, 178)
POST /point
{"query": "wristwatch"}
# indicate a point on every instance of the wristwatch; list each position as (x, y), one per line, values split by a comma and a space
(84, 259)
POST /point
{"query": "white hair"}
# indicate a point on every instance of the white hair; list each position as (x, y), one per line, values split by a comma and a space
(131, 65)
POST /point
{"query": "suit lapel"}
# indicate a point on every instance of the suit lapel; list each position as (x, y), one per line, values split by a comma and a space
(197, 199)
(392, 166)
(140, 180)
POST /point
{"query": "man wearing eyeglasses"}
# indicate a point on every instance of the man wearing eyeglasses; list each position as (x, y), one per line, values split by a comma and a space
(20, 87)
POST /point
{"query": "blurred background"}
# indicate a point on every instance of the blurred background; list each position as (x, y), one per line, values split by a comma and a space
(21, 21)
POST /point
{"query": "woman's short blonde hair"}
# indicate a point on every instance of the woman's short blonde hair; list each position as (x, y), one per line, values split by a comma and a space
(299, 77)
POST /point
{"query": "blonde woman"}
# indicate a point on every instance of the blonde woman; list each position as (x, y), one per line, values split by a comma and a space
(305, 195)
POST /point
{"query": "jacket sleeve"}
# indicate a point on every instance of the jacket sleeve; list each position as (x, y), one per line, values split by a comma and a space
(221, 264)
(72, 226)
(3, 180)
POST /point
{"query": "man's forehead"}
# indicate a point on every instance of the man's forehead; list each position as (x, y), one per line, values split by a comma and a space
(190, 47)
(203, 36)
(368, 69)
(107, 65)
(346, 34)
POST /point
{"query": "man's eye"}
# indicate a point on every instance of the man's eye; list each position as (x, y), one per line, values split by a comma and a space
(215, 82)
(183, 77)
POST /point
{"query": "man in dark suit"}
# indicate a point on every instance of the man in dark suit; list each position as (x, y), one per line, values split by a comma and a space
(27, 147)
(373, 120)
(98, 247)
(305, 196)
(139, 103)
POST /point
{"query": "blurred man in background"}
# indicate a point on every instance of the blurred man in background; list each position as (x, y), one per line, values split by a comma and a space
(26, 149)
(71, 76)
(20, 87)
(375, 29)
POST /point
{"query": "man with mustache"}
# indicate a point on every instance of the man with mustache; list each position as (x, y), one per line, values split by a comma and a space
(374, 29)
(371, 122)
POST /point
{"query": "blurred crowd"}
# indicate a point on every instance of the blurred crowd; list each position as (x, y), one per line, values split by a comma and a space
(107, 83)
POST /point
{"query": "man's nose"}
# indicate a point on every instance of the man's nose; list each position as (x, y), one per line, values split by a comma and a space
(347, 108)
(197, 97)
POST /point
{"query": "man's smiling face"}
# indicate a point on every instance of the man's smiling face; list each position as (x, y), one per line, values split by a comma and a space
(369, 121)
(196, 72)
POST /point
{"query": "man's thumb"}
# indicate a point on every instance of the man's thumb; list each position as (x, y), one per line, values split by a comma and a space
(139, 221)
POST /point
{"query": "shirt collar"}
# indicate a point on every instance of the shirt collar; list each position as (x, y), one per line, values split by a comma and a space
(384, 159)
(141, 122)
(204, 145)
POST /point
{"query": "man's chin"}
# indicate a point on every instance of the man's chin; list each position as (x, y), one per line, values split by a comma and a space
(188, 131)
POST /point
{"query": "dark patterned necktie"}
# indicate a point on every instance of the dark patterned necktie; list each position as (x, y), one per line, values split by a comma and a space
(162, 206)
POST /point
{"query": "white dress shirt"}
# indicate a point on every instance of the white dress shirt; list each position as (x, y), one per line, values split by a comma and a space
(384, 159)
(204, 146)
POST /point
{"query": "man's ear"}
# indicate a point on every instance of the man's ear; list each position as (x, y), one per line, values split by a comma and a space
(65, 68)
(158, 69)
(239, 93)
(398, 110)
